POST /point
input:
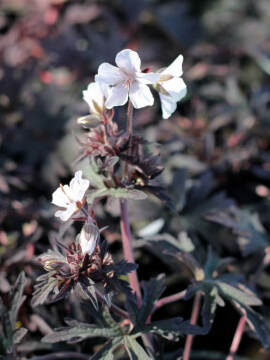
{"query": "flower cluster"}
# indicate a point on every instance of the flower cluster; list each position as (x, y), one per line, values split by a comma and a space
(122, 165)
(114, 85)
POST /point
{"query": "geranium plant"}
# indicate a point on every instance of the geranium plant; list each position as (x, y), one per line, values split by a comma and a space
(120, 168)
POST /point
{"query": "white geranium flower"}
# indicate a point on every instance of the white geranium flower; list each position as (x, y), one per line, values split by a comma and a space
(127, 80)
(95, 95)
(171, 87)
(89, 237)
(70, 197)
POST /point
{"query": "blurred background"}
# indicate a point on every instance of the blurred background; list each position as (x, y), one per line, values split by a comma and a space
(50, 50)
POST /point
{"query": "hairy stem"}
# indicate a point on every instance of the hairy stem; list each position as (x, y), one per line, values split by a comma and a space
(237, 337)
(128, 249)
(193, 321)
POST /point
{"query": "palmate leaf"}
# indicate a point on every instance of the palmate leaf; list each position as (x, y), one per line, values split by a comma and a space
(172, 328)
(151, 293)
(81, 331)
(165, 244)
(162, 194)
(252, 236)
(122, 267)
(214, 290)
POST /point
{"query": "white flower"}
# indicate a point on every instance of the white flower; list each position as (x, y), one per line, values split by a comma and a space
(70, 197)
(95, 96)
(89, 237)
(127, 80)
(171, 87)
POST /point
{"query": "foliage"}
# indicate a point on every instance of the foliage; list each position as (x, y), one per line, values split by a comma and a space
(202, 178)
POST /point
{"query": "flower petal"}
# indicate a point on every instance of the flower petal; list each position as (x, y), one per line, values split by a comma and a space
(148, 78)
(128, 60)
(118, 96)
(109, 74)
(64, 215)
(175, 68)
(59, 198)
(140, 95)
(78, 186)
(168, 106)
(94, 97)
(176, 88)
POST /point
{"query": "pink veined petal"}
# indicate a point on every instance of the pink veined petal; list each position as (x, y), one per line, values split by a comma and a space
(176, 88)
(168, 106)
(147, 78)
(175, 68)
(59, 198)
(140, 95)
(64, 215)
(109, 74)
(128, 60)
(118, 96)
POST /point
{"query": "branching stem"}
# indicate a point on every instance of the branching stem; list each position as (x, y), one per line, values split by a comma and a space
(169, 299)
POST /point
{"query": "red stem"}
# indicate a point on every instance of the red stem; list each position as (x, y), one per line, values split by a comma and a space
(169, 299)
(128, 249)
(193, 321)
(237, 337)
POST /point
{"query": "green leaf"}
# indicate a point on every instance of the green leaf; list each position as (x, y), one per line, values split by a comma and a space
(122, 193)
(135, 350)
(79, 333)
(90, 172)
